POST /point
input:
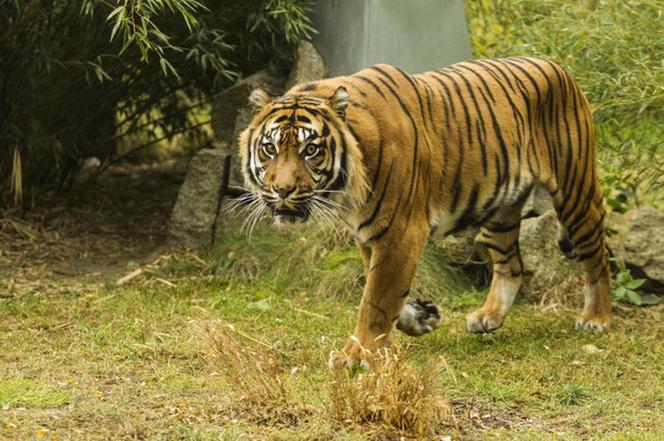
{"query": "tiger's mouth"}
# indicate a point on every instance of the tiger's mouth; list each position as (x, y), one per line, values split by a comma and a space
(290, 214)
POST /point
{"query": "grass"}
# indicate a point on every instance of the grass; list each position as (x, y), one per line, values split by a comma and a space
(147, 360)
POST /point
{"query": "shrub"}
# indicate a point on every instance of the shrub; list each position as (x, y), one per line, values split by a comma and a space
(77, 76)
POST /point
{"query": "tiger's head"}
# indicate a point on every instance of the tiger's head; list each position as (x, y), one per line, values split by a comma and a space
(299, 157)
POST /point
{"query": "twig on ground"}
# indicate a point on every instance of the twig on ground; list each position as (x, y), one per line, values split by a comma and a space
(313, 314)
(128, 277)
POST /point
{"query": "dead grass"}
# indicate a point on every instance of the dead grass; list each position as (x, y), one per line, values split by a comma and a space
(254, 373)
(392, 398)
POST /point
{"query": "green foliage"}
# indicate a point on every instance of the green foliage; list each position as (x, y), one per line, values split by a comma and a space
(81, 76)
(617, 193)
(624, 290)
(613, 48)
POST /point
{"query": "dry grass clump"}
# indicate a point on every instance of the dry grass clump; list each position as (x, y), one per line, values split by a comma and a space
(254, 375)
(391, 398)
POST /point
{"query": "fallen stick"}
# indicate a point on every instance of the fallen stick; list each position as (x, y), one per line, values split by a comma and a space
(315, 314)
(129, 276)
(165, 282)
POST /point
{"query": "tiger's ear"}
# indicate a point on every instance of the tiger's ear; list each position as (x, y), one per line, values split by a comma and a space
(258, 98)
(339, 100)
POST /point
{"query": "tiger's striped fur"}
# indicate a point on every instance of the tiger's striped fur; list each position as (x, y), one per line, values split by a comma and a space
(404, 155)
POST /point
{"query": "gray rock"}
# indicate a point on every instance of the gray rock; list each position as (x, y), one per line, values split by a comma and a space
(538, 239)
(231, 114)
(227, 104)
(461, 249)
(195, 212)
(538, 203)
(550, 274)
(309, 65)
(242, 121)
(644, 243)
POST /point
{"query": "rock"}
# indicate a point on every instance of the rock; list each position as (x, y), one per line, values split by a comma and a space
(227, 104)
(242, 120)
(543, 262)
(194, 216)
(538, 239)
(460, 250)
(616, 227)
(231, 114)
(538, 203)
(644, 244)
(309, 65)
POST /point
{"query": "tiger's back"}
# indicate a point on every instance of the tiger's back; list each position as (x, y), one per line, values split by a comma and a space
(468, 139)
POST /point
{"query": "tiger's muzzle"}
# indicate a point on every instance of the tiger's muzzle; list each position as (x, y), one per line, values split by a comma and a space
(288, 204)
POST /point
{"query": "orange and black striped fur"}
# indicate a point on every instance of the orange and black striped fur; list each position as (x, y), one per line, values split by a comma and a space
(397, 156)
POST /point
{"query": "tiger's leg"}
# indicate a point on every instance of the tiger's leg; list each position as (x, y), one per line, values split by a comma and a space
(365, 255)
(417, 317)
(501, 237)
(391, 269)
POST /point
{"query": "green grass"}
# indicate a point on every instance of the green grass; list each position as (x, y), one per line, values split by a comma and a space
(129, 361)
(28, 393)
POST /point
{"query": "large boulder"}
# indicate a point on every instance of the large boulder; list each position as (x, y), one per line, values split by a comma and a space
(538, 203)
(195, 212)
(309, 65)
(231, 113)
(550, 276)
(644, 244)
(227, 104)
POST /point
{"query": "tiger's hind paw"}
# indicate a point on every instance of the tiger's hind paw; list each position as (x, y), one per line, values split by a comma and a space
(419, 317)
(593, 324)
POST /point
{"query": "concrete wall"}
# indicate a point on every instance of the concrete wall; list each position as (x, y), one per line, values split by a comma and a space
(415, 35)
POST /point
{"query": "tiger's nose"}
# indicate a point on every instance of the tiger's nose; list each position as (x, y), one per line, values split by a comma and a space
(284, 191)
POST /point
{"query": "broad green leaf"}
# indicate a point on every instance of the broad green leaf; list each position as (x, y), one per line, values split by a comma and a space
(620, 292)
(635, 283)
(650, 299)
(633, 297)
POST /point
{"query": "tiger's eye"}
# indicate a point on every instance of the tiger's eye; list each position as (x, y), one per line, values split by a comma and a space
(269, 149)
(311, 150)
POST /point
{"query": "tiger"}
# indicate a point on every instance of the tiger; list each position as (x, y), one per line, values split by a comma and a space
(400, 157)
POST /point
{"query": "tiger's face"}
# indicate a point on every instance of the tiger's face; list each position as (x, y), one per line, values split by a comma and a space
(294, 153)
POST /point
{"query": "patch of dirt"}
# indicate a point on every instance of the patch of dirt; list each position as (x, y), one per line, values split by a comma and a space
(474, 416)
(91, 235)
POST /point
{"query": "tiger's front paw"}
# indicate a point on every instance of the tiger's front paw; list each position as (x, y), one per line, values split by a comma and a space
(356, 353)
(419, 317)
(481, 321)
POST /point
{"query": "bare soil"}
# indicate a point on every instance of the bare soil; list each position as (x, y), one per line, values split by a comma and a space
(92, 234)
